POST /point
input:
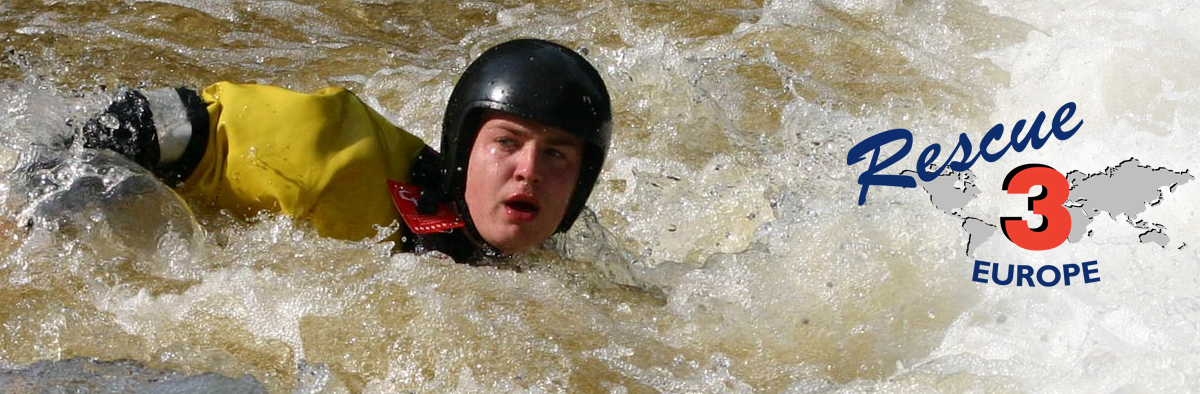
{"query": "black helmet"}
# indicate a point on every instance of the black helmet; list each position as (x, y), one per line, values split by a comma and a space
(537, 80)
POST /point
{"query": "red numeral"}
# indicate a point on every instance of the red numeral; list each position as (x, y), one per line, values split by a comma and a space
(1056, 220)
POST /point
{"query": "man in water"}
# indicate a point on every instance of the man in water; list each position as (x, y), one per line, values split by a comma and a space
(524, 136)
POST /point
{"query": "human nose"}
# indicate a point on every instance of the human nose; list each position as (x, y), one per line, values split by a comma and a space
(528, 165)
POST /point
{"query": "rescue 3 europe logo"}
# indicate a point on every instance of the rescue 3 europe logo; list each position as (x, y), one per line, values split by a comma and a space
(1066, 203)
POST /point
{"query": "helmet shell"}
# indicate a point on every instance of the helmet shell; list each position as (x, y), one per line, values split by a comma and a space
(537, 80)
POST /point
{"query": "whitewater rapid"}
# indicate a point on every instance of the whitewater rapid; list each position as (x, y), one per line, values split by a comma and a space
(724, 250)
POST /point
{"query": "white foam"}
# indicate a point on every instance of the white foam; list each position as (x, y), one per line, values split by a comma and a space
(726, 204)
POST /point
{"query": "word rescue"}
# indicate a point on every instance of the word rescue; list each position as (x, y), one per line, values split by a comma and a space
(1056, 220)
(874, 146)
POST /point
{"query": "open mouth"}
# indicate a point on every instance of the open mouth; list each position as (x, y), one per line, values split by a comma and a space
(522, 206)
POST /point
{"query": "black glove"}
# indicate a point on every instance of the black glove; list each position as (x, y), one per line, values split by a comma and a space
(128, 127)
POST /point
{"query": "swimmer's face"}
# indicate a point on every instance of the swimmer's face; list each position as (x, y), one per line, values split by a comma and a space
(520, 177)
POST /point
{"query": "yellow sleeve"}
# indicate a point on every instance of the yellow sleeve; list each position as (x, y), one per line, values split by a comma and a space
(324, 157)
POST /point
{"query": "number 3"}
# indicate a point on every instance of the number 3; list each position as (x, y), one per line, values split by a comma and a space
(1056, 220)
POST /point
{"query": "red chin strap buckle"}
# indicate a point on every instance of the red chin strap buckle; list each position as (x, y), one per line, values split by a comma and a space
(406, 196)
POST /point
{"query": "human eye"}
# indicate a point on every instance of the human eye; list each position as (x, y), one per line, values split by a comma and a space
(562, 153)
(506, 141)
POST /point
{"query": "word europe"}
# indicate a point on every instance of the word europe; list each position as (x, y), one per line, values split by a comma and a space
(1047, 275)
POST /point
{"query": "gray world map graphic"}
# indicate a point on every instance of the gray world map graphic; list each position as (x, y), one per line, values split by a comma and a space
(1126, 189)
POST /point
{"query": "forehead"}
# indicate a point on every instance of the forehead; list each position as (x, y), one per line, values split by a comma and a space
(496, 122)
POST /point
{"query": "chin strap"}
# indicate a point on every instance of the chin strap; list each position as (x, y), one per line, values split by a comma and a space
(427, 174)
(461, 242)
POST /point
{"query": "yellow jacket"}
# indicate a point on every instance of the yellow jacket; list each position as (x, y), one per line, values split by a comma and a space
(323, 157)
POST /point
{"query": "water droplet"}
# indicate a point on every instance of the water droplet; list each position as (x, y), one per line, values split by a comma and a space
(110, 122)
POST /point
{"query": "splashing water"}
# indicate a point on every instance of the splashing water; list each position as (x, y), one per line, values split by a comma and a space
(723, 251)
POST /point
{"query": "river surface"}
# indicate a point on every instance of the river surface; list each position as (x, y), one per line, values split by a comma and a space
(723, 250)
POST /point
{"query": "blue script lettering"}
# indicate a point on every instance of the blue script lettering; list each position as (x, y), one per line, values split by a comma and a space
(874, 145)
